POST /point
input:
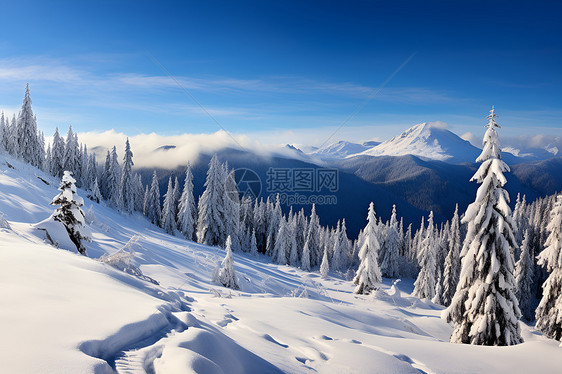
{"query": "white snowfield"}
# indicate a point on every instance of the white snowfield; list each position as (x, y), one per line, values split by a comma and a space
(61, 312)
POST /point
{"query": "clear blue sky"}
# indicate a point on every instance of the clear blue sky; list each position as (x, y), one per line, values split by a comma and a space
(258, 65)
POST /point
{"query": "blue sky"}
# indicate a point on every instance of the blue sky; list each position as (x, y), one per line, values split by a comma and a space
(289, 70)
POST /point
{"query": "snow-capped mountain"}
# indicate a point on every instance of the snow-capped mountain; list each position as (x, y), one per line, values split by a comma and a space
(427, 141)
(343, 149)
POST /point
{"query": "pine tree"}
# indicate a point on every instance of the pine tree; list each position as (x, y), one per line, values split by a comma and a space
(2, 132)
(12, 145)
(313, 238)
(70, 213)
(452, 261)
(524, 271)
(232, 207)
(211, 227)
(549, 311)
(95, 194)
(293, 251)
(368, 276)
(305, 261)
(282, 244)
(338, 254)
(114, 178)
(391, 261)
(28, 148)
(227, 276)
(72, 154)
(187, 210)
(138, 189)
(167, 221)
(105, 178)
(126, 200)
(325, 265)
(485, 310)
(152, 206)
(424, 286)
(253, 244)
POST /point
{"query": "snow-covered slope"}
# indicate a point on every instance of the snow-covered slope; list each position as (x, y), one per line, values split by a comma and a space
(429, 141)
(62, 312)
(343, 149)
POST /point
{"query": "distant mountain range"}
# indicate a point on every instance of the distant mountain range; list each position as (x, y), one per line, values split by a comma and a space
(428, 141)
(425, 168)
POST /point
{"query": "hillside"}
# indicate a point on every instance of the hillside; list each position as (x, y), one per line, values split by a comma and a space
(63, 312)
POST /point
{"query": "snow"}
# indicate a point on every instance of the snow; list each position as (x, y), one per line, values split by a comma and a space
(428, 141)
(66, 313)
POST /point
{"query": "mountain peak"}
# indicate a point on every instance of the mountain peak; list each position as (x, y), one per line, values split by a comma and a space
(429, 140)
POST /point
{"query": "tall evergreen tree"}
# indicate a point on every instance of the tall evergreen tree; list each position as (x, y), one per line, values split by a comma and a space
(282, 243)
(390, 265)
(72, 154)
(27, 141)
(325, 265)
(211, 227)
(168, 221)
(424, 286)
(152, 207)
(485, 310)
(57, 155)
(549, 312)
(105, 177)
(12, 138)
(524, 272)
(368, 276)
(126, 200)
(114, 178)
(187, 211)
(452, 261)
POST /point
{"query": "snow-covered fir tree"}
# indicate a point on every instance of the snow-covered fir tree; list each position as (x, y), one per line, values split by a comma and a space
(138, 189)
(424, 286)
(168, 221)
(282, 243)
(114, 178)
(72, 154)
(231, 207)
(253, 244)
(339, 252)
(187, 211)
(95, 194)
(549, 311)
(305, 260)
(368, 276)
(390, 264)
(105, 185)
(70, 213)
(126, 201)
(227, 275)
(294, 250)
(325, 265)
(524, 272)
(313, 239)
(27, 140)
(12, 145)
(452, 261)
(152, 207)
(211, 227)
(484, 309)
